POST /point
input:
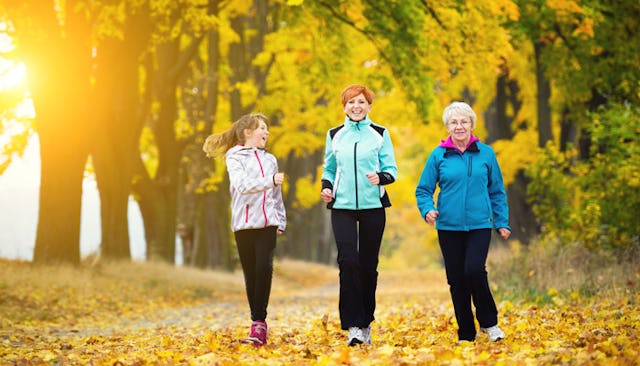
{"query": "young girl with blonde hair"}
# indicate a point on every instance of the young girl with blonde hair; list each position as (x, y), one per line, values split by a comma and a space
(257, 210)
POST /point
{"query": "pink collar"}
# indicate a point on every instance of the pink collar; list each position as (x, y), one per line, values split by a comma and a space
(448, 143)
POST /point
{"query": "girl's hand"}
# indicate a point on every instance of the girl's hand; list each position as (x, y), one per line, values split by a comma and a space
(326, 195)
(431, 216)
(279, 232)
(374, 179)
(278, 178)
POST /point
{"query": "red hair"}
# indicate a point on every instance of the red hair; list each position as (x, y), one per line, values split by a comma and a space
(355, 89)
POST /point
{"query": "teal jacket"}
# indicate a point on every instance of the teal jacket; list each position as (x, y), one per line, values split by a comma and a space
(352, 150)
(472, 194)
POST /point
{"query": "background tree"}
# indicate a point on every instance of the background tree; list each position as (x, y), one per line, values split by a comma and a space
(149, 80)
(118, 106)
(55, 45)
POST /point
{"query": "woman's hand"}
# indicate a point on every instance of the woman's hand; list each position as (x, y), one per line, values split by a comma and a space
(431, 217)
(504, 233)
(326, 195)
(374, 179)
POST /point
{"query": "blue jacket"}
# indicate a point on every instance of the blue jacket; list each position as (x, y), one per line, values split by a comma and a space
(352, 150)
(472, 194)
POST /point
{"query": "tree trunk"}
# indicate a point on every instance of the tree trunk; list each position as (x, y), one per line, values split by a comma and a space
(203, 213)
(306, 237)
(544, 94)
(118, 138)
(499, 126)
(157, 196)
(59, 64)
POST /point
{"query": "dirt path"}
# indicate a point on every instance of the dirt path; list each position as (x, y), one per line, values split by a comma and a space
(287, 308)
(303, 306)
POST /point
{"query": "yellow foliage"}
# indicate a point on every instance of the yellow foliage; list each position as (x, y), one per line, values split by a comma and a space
(306, 192)
(516, 154)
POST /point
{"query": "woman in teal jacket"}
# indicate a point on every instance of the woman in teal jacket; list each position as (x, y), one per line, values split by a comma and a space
(472, 201)
(358, 163)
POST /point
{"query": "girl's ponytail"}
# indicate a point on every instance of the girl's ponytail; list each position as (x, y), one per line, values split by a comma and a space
(219, 143)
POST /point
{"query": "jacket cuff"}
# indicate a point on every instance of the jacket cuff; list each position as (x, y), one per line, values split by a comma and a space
(385, 178)
(327, 184)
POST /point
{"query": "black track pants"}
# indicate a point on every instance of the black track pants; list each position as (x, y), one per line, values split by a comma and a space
(358, 235)
(465, 255)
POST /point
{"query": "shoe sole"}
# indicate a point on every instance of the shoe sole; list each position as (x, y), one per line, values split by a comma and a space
(253, 340)
(354, 342)
(491, 340)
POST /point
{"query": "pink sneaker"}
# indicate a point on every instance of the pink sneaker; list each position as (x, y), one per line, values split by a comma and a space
(258, 333)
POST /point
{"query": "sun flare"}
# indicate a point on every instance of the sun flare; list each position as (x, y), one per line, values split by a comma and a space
(12, 75)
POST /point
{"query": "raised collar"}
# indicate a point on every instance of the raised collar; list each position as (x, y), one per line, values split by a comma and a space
(448, 144)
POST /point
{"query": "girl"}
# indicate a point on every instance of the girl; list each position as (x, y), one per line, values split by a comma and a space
(257, 209)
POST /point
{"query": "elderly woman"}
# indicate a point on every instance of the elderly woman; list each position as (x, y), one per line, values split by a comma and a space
(472, 201)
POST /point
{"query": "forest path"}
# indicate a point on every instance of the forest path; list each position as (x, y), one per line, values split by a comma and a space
(157, 314)
(135, 313)
(291, 305)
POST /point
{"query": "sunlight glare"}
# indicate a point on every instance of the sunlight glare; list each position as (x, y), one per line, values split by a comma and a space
(6, 43)
(25, 109)
(12, 74)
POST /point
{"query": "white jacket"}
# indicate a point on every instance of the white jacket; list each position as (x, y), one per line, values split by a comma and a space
(256, 201)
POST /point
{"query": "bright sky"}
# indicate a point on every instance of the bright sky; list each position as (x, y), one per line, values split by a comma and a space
(19, 194)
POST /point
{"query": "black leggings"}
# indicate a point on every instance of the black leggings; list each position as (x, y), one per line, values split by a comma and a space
(358, 235)
(256, 248)
(465, 255)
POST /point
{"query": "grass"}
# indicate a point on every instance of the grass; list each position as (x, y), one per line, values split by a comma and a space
(533, 271)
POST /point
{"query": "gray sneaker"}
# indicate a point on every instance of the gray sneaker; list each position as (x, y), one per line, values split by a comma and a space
(356, 336)
(366, 333)
(494, 333)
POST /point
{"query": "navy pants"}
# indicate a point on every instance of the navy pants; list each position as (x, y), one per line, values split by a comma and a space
(465, 256)
(256, 248)
(358, 234)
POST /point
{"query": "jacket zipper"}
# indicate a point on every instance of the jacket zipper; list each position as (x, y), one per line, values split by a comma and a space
(355, 170)
(264, 193)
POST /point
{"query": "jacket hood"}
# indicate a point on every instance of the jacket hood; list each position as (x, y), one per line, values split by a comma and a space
(448, 143)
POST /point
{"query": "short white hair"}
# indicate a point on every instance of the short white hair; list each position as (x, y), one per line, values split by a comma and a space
(461, 108)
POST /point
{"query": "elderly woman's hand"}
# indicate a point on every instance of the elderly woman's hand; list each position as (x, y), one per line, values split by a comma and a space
(431, 216)
(504, 233)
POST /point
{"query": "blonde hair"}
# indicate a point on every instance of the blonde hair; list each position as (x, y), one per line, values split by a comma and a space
(219, 143)
(461, 108)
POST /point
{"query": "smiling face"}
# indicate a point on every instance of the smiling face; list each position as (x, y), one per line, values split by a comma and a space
(459, 127)
(357, 107)
(258, 137)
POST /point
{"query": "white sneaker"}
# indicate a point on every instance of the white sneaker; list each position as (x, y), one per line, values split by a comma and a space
(355, 336)
(366, 333)
(494, 333)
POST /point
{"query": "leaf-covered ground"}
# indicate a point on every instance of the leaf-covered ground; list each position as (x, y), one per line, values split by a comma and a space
(148, 314)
